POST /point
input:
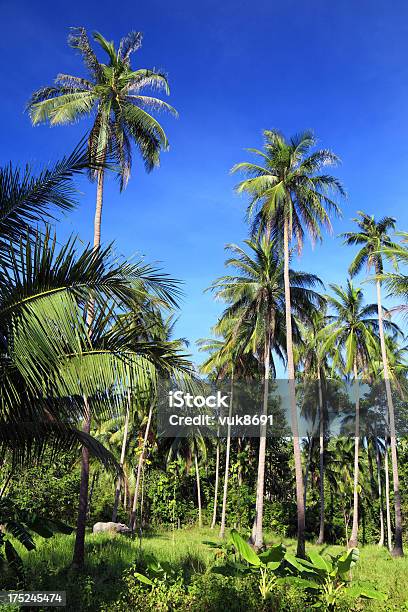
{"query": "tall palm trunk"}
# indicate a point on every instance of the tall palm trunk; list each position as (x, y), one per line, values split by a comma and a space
(122, 459)
(387, 496)
(79, 547)
(379, 486)
(397, 551)
(258, 524)
(292, 398)
(197, 471)
(217, 474)
(320, 539)
(307, 468)
(353, 542)
(227, 456)
(139, 470)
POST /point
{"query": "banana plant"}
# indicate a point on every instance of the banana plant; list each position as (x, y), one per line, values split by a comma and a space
(264, 564)
(329, 578)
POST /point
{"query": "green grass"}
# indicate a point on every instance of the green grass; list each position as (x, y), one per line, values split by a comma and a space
(48, 567)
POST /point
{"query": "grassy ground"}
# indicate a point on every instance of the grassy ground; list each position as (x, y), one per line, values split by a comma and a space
(48, 567)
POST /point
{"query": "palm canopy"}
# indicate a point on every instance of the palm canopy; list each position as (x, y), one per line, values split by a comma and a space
(114, 94)
(397, 282)
(352, 333)
(256, 295)
(373, 237)
(287, 185)
(27, 201)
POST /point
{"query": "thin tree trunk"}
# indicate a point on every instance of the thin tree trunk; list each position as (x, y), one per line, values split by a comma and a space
(258, 525)
(200, 519)
(353, 542)
(380, 495)
(397, 551)
(239, 449)
(320, 539)
(79, 547)
(292, 397)
(307, 469)
(122, 459)
(139, 470)
(217, 473)
(227, 456)
(387, 496)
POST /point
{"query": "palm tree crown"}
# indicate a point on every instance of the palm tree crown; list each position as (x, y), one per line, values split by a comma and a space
(287, 185)
(113, 93)
(373, 236)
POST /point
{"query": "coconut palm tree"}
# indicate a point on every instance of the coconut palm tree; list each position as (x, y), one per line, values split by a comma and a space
(316, 368)
(114, 94)
(228, 358)
(156, 328)
(256, 298)
(353, 331)
(288, 194)
(373, 237)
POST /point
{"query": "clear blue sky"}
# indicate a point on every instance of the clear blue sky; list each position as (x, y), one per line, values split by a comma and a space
(235, 68)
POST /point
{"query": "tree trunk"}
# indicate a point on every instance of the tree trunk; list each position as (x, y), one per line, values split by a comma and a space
(122, 459)
(353, 542)
(292, 397)
(139, 470)
(397, 551)
(217, 473)
(227, 456)
(387, 496)
(258, 525)
(79, 547)
(200, 519)
(307, 468)
(320, 539)
(380, 495)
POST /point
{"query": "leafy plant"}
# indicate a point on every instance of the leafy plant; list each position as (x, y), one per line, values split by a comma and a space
(21, 525)
(330, 578)
(264, 564)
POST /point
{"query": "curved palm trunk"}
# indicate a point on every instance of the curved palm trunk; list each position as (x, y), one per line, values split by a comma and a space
(387, 497)
(79, 547)
(320, 539)
(257, 536)
(397, 551)
(292, 398)
(139, 470)
(227, 456)
(217, 472)
(122, 460)
(353, 542)
(379, 486)
(197, 471)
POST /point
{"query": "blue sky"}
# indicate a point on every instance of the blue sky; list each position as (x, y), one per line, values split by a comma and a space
(235, 68)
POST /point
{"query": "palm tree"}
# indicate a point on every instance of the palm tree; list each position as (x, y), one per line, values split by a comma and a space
(316, 367)
(113, 94)
(354, 331)
(256, 302)
(287, 195)
(155, 328)
(373, 237)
